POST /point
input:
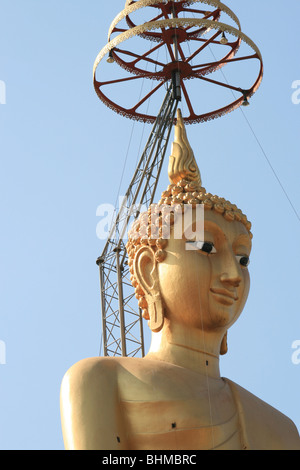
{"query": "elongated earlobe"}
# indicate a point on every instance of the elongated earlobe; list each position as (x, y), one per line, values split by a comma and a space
(224, 345)
(156, 314)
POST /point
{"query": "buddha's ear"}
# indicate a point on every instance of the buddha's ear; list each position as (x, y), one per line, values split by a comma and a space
(145, 269)
(146, 274)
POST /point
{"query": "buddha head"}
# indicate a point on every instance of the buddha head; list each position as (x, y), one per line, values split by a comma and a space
(188, 255)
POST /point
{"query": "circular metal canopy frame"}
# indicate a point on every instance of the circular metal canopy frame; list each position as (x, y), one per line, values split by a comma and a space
(170, 28)
(166, 38)
(169, 9)
(175, 6)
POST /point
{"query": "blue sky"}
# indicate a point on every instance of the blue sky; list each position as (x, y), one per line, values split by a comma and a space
(62, 155)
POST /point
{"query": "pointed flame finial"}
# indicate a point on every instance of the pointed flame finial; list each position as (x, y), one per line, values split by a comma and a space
(182, 163)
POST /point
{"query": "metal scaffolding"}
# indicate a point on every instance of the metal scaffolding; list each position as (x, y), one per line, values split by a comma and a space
(122, 325)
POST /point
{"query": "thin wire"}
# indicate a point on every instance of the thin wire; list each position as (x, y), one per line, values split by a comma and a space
(190, 53)
(258, 142)
(148, 105)
(129, 145)
(204, 345)
(261, 147)
(101, 339)
(207, 378)
(127, 153)
(270, 165)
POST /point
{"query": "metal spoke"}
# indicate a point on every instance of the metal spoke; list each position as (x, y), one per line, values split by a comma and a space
(207, 42)
(148, 53)
(132, 24)
(187, 99)
(148, 96)
(141, 57)
(170, 50)
(119, 30)
(225, 61)
(120, 80)
(215, 82)
(158, 17)
(195, 38)
(182, 55)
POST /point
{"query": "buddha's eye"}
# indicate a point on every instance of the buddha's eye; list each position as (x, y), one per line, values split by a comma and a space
(206, 247)
(243, 260)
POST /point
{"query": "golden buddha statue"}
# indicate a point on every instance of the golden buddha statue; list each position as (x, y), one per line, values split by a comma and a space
(191, 290)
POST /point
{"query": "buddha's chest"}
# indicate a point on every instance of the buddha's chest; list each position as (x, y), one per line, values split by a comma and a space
(184, 419)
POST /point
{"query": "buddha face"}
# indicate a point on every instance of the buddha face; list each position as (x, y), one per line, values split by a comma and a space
(205, 283)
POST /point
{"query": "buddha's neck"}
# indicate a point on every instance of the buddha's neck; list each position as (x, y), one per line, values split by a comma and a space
(188, 347)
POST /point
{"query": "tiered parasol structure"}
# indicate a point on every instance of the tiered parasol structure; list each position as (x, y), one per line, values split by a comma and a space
(179, 48)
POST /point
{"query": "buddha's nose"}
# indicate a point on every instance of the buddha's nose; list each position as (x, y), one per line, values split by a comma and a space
(231, 274)
(230, 280)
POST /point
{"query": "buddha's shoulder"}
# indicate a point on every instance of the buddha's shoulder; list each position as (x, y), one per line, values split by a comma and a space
(92, 368)
(264, 422)
(118, 372)
(102, 369)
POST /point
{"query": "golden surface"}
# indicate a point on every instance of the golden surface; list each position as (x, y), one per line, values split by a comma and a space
(175, 398)
(182, 164)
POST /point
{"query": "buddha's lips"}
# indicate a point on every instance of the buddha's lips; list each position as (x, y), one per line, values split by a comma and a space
(225, 292)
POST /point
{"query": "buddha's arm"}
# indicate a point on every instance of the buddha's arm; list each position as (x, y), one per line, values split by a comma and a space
(89, 407)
